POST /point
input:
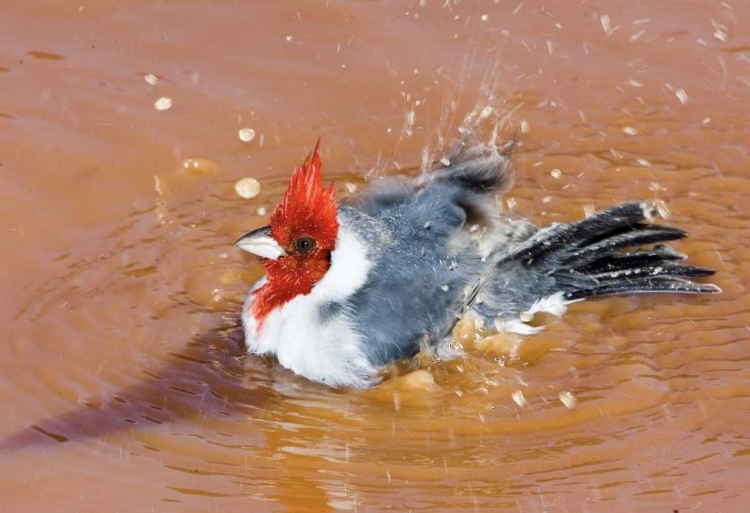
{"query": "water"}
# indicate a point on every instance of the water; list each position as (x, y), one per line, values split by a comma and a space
(124, 383)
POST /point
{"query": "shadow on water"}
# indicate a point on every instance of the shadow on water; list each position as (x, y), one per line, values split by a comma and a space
(204, 378)
(141, 259)
(209, 388)
(210, 378)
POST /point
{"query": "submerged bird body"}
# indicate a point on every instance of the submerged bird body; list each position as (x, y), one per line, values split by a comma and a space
(350, 288)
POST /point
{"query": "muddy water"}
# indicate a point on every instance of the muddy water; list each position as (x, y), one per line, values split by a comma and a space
(123, 383)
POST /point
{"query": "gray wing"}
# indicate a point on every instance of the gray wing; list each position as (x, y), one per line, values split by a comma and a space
(426, 267)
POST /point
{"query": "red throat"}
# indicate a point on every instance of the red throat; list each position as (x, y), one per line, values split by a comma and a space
(288, 278)
(306, 210)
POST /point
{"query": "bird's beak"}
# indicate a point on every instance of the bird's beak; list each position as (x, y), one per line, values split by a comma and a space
(259, 242)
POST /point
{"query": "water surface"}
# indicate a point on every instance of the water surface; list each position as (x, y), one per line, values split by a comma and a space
(123, 384)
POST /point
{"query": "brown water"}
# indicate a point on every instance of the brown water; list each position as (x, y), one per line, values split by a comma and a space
(123, 382)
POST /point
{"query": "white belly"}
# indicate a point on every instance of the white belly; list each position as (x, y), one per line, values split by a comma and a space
(329, 353)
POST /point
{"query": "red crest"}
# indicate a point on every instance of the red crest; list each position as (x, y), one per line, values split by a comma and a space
(306, 212)
(306, 208)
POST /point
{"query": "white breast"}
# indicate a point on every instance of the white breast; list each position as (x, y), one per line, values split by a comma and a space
(331, 352)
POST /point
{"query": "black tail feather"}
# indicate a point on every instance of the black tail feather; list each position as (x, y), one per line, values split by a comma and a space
(647, 284)
(562, 238)
(639, 258)
(658, 269)
(589, 258)
(637, 235)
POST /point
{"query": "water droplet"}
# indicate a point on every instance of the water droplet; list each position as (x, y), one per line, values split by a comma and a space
(247, 187)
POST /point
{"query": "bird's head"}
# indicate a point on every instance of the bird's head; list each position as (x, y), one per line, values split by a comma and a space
(295, 248)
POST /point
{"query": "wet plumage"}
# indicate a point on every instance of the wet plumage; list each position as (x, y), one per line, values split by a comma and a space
(352, 287)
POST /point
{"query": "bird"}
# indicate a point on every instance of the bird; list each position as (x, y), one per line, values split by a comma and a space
(351, 287)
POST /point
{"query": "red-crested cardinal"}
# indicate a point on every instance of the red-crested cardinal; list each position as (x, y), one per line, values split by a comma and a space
(352, 287)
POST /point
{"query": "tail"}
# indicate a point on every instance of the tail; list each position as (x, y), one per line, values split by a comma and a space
(588, 258)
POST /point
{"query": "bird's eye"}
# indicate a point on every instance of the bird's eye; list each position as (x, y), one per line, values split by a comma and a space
(304, 244)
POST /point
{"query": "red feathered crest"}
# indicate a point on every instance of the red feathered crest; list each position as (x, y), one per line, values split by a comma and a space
(306, 208)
